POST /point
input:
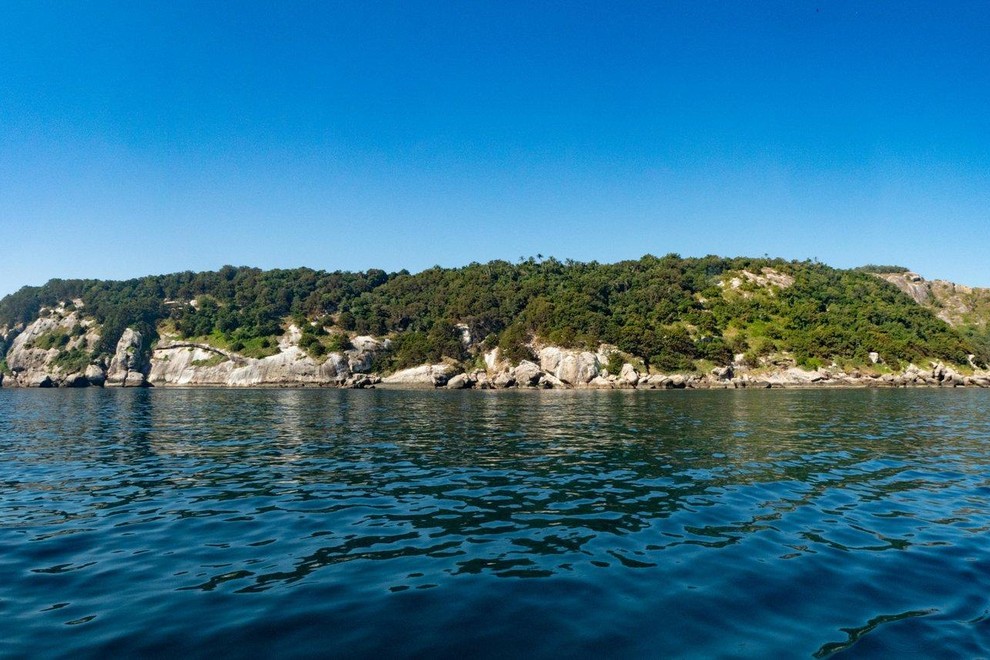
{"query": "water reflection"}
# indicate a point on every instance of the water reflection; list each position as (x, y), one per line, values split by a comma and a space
(731, 494)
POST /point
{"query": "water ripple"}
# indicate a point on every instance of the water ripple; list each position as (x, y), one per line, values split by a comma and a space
(494, 523)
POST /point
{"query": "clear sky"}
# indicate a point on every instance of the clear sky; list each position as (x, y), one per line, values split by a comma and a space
(140, 138)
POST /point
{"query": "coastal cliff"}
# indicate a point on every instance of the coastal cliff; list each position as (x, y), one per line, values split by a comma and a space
(174, 362)
(655, 323)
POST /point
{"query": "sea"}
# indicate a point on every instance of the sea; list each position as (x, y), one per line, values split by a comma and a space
(285, 523)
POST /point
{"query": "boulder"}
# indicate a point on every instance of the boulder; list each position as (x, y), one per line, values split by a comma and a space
(358, 381)
(95, 375)
(601, 383)
(459, 382)
(659, 381)
(481, 379)
(628, 375)
(550, 358)
(723, 373)
(571, 367)
(77, 379)
(526, 373)
(504, 379)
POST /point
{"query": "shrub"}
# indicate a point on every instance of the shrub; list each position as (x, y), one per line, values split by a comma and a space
(668, 362)
(73, 361)
(512, 344)
(615, 362)
(337, 342)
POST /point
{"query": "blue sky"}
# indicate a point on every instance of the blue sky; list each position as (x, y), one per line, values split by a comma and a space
(140, 138)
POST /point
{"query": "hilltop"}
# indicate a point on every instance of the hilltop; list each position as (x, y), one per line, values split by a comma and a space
(660, 316)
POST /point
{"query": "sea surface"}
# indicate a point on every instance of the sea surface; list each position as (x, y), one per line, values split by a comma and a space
(337, 523)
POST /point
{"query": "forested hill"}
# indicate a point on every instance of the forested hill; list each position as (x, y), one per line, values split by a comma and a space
(669, 311)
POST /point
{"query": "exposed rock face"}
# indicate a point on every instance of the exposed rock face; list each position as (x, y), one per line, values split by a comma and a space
(430, 375)
(571, 367)
(766, 278)
(955, 304)
(182, 363)
(910, 283)
(359, 362)
(494, 361)
(33, 365)
(368, 344)
(127, 367)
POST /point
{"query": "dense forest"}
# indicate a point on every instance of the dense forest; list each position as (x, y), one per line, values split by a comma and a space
(669, 312)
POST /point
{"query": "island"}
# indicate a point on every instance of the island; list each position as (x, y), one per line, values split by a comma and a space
(653, 323)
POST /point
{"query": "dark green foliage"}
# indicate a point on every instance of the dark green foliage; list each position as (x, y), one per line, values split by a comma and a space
(311, 343)
(337, 342)
(668, 311)
(615, 362)
(873, 268)
(512, 344)
(714, 349)
(415, 347)
(411, 348)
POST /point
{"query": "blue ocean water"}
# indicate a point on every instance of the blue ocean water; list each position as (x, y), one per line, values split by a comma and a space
(301, 523)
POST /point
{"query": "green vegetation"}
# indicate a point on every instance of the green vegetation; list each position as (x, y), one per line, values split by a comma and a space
(211, 361)
(670, 312)
(73, 360)
(255, 347)
(57, 338)
(882, 270)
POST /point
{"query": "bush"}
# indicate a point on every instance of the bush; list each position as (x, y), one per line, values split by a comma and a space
(715, 350)
(338, 342)
(668, 362)
(512, 344)
(615, 362)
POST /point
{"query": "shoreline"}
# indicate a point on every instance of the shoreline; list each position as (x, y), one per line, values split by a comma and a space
(700, 385)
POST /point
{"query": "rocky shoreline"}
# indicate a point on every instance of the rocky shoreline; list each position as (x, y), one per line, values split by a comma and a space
(528, 375)
(40, 356)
